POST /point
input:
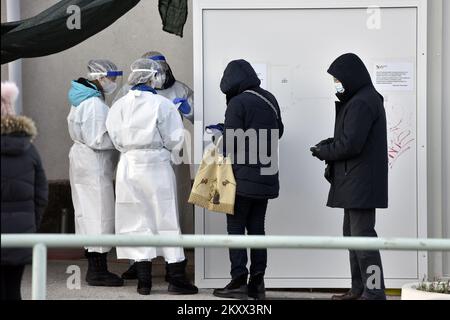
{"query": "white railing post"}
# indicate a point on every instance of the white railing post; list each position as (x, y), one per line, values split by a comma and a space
(39, 273)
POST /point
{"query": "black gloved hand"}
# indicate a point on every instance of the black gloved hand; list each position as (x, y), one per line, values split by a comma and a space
(325, 142)
(315, 151)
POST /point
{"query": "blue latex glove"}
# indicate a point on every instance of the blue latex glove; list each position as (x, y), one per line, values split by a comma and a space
(216, 130)
(216, 127)
(185, 107)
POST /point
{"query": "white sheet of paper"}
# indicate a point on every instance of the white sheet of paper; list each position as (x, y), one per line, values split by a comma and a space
(261, 71)
(394, 76)
(281, 86)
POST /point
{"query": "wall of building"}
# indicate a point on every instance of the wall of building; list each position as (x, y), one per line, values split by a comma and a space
(446, 132)
(438, 138)
(3, 17)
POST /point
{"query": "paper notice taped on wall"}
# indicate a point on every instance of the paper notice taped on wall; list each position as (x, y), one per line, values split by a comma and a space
(394, 76)
(261, 72)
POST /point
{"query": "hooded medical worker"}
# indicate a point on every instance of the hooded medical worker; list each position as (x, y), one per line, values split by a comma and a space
(146, 128)
(93, 160)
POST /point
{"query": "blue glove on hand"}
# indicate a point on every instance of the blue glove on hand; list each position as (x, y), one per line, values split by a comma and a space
(216, 130)
(185, 107)
(216, 127)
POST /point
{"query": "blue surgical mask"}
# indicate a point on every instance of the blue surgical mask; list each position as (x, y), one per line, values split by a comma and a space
(339, 87)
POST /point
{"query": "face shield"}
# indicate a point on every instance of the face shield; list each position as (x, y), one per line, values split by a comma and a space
(166, 79)
(109, 80)
(144, 71)
(106, 73)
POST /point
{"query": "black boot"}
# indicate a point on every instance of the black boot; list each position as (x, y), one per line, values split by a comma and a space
(98, 274)
(144, 276)
(256, 287)
(236, 289)
(178, 280)
(349, 295)
(166, 278)
(131, 273)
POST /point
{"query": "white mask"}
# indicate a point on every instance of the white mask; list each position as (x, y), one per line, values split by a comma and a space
(109, 87)
(159, 81)
(339, 87)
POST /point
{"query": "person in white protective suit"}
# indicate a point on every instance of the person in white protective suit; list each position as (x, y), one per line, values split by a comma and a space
(146, 128)
(93, 160)
(174, 90)
(183, 97)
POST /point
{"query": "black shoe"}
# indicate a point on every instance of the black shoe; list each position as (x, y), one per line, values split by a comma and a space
(349, 295)
(236, 289)
(166, 277)
(131, 273)
(144, 276)
(178, 280)
(98, 274)
(256, 287)
(380, 295)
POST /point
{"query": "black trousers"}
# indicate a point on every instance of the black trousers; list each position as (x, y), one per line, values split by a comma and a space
(366, 267)
(11, 278)
(249, 214)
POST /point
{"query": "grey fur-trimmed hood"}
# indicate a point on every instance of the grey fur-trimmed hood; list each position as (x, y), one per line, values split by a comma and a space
(17, 134)
(18, 124)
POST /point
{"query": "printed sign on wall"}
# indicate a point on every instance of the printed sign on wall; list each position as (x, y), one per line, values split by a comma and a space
(394, 76)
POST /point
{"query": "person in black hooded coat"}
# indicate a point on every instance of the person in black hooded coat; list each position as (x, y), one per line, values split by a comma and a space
(357, 158)
(24, 196)
(249, 109)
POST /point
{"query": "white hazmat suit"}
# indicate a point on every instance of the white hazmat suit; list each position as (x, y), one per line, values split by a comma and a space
(174, 90)
(93, 160)
(92, 164)
(145, 127)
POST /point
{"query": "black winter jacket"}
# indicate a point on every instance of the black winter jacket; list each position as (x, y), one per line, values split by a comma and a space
(358, 153)
(24, 185)
(250, 113)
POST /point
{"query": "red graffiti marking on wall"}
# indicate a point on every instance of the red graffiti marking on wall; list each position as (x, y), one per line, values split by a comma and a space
(400, 141)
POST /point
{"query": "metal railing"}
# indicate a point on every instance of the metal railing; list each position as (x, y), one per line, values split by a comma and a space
(40, 242)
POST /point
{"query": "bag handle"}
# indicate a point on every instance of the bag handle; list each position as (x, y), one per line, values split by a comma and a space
(266, 100)
(218, 143)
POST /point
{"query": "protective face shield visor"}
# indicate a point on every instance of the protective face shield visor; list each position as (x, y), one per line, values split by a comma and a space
(110, 81)
(157, 58)
(165, 78)
(150, 77)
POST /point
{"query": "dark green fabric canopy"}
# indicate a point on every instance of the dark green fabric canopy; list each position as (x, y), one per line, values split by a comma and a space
(47, 33)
